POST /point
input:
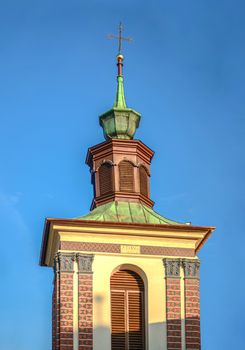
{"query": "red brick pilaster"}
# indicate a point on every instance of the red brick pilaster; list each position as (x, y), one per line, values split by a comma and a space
(173, 303)
(85, 301)
(55, 311)
(192, 304)
(66, 311)
(63, 302)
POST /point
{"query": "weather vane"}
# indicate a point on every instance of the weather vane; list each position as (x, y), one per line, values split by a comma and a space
(120, 37)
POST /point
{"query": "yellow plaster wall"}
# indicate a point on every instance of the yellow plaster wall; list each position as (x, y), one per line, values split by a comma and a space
(153, 275)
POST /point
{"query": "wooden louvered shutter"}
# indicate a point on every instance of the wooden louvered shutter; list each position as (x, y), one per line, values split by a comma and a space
(127, 311)
(135, 320)
(105, 178)
(126, 176)
(143, 181)
(118, 338)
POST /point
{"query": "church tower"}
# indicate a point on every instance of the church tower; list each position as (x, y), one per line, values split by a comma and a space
(125, 277)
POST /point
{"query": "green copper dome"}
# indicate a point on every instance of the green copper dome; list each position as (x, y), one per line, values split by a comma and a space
(130, 212)
(120, 122)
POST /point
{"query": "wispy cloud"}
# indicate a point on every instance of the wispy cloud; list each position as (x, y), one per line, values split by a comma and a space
(9, 199)
(9, 208)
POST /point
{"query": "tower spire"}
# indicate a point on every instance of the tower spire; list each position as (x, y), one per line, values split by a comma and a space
(120, 101)
(120, 122)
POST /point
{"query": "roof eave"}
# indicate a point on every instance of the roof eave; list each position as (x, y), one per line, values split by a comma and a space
(49, 221)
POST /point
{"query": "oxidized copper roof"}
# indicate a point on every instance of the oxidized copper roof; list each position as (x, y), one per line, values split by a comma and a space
(119, 211)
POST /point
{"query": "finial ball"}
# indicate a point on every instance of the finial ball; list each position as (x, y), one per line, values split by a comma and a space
(120, 57)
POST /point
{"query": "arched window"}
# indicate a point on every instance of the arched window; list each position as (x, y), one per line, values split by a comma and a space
(105, 178)
(126, 176)
(143, 181)
(127, 311)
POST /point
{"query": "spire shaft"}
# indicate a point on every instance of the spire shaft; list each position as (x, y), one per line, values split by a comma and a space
(120, 65)
(120, 101)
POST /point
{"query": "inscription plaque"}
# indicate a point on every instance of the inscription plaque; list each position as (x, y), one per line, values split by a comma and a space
(130, 249)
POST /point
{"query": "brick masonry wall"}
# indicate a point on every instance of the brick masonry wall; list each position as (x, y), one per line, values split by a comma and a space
(191, 308)
(192, 314)
(66, 311)
(53, 318)
(63, 303)
(192, 304)
(85, 301)
(62, 309)
(85, 313)
(173, 303)
(55, 314)
(173, 309)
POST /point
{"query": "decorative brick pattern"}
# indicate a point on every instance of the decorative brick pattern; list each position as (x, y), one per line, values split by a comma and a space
(173, 303)
(62, 310)
(85, 301)
(62, 317)
(85, 313)
(192, 305)
(91, 247)
(167, 251)
(66, 311)
(55, 314)
(116, 248)
(53, 318)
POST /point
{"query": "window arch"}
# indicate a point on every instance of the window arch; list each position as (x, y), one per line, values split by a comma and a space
(143, 181)
(105, 178)
(126, 176)
(127, 311)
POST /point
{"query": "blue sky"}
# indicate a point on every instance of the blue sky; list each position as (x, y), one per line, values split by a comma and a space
(185, 72)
